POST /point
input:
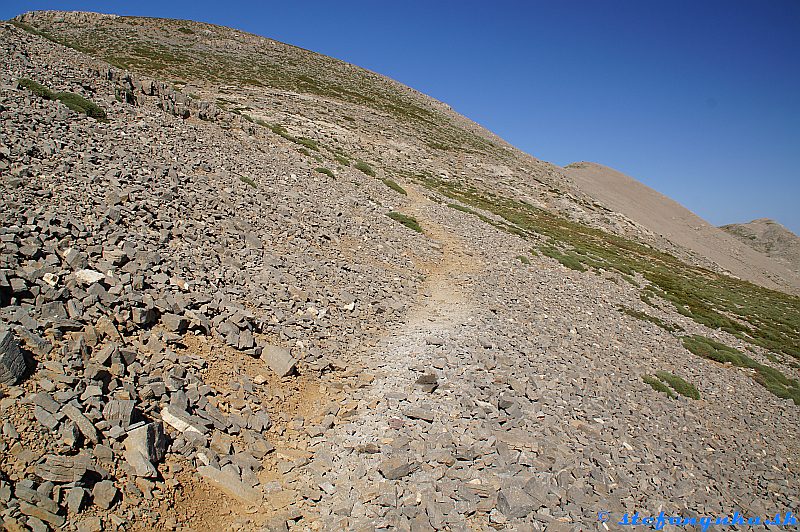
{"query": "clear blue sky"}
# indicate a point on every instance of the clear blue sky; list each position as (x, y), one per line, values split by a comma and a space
(698, 99)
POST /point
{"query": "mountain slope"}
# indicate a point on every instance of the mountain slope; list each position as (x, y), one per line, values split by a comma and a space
(770, 238)
(243, 307)
(668, 218)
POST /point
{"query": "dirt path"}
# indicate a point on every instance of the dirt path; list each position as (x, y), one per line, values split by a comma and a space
(412, 349)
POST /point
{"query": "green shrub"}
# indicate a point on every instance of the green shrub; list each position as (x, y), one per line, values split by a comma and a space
(394, 186)
(657, 385)
(768, 377)
(342, 160)
(247, 180)
(461, 208)
(308, 143)
(185, 30)
(76, 102)
(652, 319)
(364, 167)
(408, 221)
(79, 104)
(523, 259)
(678, 384)
(324, 171)
(36, 88)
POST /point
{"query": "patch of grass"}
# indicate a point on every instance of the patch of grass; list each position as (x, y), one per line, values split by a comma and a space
(365, 168)
(678, 384)
(408, 221)
(652, 319)
(394, 186)
(324, 171)
(186, 31)
(76, 102)
(523, 259)
(768, 377)
(658, 386)
(247, 180)
(342, 160)
(570, 260)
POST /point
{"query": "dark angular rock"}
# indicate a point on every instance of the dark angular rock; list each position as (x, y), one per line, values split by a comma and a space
(12, 361)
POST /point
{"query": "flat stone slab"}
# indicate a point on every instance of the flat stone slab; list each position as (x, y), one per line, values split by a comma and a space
(279, 359)
(230, 485)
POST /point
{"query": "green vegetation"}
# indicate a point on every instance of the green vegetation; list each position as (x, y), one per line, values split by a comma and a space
(678, 384)
(666, 382)
(394, 186)
(408, 221)
(438, 146)
(342, 160)
(768, 377)
(568, 259)
(324, 171)
(652, 319)
(754, 314)
(523, 259)
(76, 102)
(461, 208)
(308, 143)
(365, 168)
(247, 180)
(186, 31)
(36, 88)
(658, 386)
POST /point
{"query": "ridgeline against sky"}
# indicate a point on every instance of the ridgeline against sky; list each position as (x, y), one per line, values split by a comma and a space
(696, 99)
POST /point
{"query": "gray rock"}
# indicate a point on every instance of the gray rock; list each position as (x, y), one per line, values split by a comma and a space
(119, 412)
(86, 427)
(40, 513)
(397, 467)
(230, 484)
(63, 469)
(145, 446)
(76, 499)
(279, 359)
(434, 340)
(514, 502)
(419, 413)
(104, 494)
(12, 362)
(174, 323)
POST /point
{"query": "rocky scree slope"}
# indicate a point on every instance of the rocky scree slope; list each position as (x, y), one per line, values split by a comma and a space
(201, 331)
(769, 237)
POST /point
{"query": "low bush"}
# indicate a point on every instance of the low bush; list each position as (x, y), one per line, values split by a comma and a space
(394, 186)
(678, 384)
(365, 168)
(324, 171)
(657, 385)
(408, 221)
